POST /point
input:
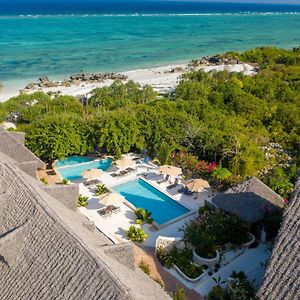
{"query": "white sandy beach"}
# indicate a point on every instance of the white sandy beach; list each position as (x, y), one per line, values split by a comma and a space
(162, 79)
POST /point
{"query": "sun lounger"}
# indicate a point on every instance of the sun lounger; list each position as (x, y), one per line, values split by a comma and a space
(163, 180)
(116, 209)
(145, 174)
(105, 212)
(185, 191)
(114, 175)
(136, 158)
(130, 170)
(108, 211)
(123, 173)
(172, 186)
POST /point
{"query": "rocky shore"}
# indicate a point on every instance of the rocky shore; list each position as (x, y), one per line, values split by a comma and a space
(75, 79)
(163, 79)
(218, 60)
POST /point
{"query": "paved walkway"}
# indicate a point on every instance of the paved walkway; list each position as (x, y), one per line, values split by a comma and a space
(157, 271)
(251, 262)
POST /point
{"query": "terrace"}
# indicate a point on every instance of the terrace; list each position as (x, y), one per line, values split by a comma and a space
(115, 225)
(118, 180)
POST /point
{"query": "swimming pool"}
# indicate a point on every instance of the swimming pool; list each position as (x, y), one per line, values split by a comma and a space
(72, 160)
(73, 170)
(142, 194)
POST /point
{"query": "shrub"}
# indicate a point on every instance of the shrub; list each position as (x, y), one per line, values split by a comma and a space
(143, 216)
(136, 234)
(44, 180)
(65, 181)
(221, 174)
(82, 201)
(214, 228)
(159, 281)
(179, 295)
(240, 287)
(165, 258)
(144, 267)
(139, 222)
(207, 247)
(272, 224)
(217, 293)
(101, 189)
(182, 259)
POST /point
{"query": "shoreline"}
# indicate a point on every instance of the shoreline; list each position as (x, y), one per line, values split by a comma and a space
(163, 79)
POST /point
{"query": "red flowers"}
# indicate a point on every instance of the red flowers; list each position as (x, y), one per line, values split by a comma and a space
(205, 166)
(286, 201)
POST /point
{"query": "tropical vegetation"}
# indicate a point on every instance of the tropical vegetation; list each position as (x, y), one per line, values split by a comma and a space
(238, 288)
(213, 229)
(136, 234)
(82, 201)
(143, 216)
(219, 117)
(179, 295)
(182, 258)
(101, 189)
(144, 267)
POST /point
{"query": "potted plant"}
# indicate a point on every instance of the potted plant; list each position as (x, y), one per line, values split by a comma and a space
(143, 216)
(206, 251)
(101, 189)
(246, 245)
(82, 201)
(136, 234)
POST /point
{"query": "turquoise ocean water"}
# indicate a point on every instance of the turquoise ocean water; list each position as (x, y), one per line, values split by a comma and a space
(59, 42)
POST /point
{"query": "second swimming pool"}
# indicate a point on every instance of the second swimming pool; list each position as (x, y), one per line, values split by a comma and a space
(142, 194)
(72, 168)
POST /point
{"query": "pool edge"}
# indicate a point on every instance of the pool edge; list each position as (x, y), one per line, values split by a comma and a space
(155, 224)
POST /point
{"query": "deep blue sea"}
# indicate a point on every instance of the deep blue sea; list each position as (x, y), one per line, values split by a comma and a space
(57, 38)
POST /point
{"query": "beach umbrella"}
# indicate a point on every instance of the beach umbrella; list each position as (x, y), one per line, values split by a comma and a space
(197, 185)
(114, 199)
(124, 162)
(92, 174)
(170, 170)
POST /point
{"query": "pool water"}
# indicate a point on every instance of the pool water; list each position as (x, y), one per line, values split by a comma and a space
(141, 194)
(73, 171)
(72, 160)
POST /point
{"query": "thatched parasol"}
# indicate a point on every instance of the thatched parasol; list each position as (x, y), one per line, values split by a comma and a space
(114, 199)
(197, 185)
(124, 163)
(170, 170)
(92, 174)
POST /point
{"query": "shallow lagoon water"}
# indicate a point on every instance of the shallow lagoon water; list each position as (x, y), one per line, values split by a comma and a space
(115, 38)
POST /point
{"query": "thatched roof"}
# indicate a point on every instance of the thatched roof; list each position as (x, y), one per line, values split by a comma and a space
(13, 147)
(282, 278)
(20, 136)
(250, 200)
(46, 251)
(66, 194)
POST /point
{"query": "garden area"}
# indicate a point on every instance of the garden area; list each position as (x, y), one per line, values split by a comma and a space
(210, 241)
(238, 288)
(213, 230)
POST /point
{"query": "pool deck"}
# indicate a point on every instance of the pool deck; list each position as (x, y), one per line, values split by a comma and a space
(115, 226)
